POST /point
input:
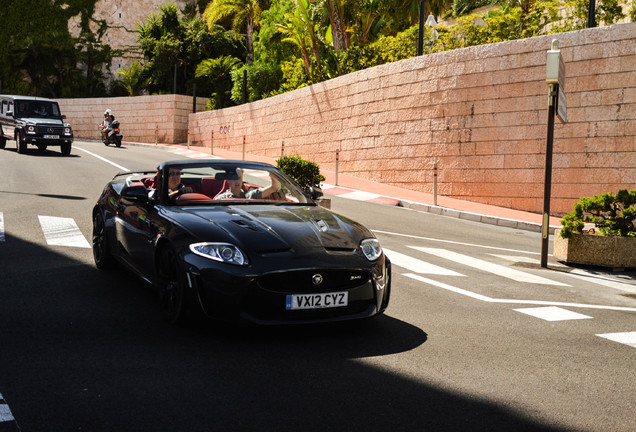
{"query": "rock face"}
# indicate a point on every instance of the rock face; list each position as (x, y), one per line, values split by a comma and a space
(123, 16)
(603, 251)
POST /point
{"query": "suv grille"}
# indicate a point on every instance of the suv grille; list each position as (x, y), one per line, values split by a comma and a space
(50, 130)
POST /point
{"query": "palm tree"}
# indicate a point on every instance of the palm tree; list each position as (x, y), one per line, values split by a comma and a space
(218, 70)
(246, 15)
(131, 79)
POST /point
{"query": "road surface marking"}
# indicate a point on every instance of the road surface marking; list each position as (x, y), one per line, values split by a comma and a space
(627, 338)
(454, 242)
(5, 412)
(1, 227)
(497, 269)
(552, 313)
(515, 301)
(103, 159)
(417, 266)
(60, 231)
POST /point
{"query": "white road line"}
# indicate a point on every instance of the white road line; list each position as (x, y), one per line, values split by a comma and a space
(579, 274)
(103, 159)
(5, 412)
(552, 313)
(1, 227)
(416, 265)
(480, 264)
(627, 338)
(62, 232)
(454, 242)
(359, 195)
(514, 301)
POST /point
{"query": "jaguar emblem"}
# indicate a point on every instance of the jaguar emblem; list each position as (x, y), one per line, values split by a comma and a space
(316, 279)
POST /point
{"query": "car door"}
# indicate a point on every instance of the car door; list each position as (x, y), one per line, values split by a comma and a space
(138, 227)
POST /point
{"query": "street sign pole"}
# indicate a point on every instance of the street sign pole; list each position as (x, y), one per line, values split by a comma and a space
(547, 191)
(555, 78)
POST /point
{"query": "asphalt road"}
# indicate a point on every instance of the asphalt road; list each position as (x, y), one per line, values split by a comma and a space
(477, 337)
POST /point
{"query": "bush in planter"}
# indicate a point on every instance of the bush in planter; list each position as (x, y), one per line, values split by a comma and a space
(613, 215)
(305, 173)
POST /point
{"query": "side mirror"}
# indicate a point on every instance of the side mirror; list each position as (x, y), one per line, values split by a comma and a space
(316, 193)
(137, 193)
(63, 116)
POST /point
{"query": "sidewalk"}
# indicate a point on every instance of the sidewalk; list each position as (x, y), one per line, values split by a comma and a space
(364, 190)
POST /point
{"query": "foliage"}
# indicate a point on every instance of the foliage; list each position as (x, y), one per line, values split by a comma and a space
(40, 57)
(262, 80)
(461, 7)
(132, 79)
(632, 11)
(611, 214)
(218, 71)
(304, 172)
(169, 40)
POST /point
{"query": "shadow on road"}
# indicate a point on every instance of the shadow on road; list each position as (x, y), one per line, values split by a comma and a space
(88, 350)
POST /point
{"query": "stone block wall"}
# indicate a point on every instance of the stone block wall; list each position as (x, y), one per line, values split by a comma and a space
(143, 118)
(480, 113)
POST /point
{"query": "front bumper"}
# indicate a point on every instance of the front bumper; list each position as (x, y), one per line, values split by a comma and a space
(262, 298)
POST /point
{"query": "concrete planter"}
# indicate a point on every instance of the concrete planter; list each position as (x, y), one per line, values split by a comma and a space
(598, 250)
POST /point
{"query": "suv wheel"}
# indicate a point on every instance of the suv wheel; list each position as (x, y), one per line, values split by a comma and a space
(3, 142)
(66, 149)
(22, 145)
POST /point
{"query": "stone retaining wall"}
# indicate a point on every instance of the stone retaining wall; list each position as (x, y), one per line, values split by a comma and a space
(480, 113)
(143, 118)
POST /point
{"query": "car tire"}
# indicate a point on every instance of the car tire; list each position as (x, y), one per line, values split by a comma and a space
(21, 144)
(3, 142)
(101, 248)
(66, 149)
(172, 285)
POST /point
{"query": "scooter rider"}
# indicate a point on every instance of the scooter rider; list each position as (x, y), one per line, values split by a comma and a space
(108, 120)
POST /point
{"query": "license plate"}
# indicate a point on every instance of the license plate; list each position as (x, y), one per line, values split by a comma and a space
(51, 137)
(317, 301)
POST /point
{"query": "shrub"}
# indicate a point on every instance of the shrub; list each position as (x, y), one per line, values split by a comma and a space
(305, 173)
(611, 214)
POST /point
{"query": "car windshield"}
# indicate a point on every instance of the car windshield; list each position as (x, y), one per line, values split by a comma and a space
(223, 183)
(36, 108)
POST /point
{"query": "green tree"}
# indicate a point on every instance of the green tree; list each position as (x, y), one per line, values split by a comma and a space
(246, 16)
(132, 79)
(218, 71)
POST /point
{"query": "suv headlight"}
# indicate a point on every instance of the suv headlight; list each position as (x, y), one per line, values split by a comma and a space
(30, 129)
(222, 252)
(371, 249)
(67, 130)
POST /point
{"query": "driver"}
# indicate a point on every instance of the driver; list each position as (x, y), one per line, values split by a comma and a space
(235, 188)
(175, 187)
(108, 120)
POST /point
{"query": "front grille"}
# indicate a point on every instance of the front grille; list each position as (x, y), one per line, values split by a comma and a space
(49, 130)
(301, 281)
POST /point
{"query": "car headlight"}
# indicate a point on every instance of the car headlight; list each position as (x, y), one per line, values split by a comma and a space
(371, 249)
(31, 129)
(222, 252)
(67, 130)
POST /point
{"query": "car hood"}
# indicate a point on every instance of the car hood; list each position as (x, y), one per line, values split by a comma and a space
(272, 228)
(42, 121)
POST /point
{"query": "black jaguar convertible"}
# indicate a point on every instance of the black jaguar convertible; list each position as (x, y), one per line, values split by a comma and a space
(237, 240)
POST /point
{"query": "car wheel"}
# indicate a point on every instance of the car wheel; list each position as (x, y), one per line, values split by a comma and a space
(3, 142)
(172, 286)
(101, 249)
(22, 145)
(66, 149)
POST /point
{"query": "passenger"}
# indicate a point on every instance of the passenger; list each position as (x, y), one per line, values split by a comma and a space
(108, 119)
(235, 188)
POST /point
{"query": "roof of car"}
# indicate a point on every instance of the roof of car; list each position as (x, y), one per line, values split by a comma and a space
(27, 98)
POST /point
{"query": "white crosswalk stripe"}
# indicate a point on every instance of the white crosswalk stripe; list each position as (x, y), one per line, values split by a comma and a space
(60, 231)
(553, 313)
(498, 269)
(627, 338)
(418, 266)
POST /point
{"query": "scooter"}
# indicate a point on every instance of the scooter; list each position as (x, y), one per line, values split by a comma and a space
(113, 136)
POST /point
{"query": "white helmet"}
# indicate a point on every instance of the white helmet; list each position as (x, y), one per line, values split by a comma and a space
(107, 112)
